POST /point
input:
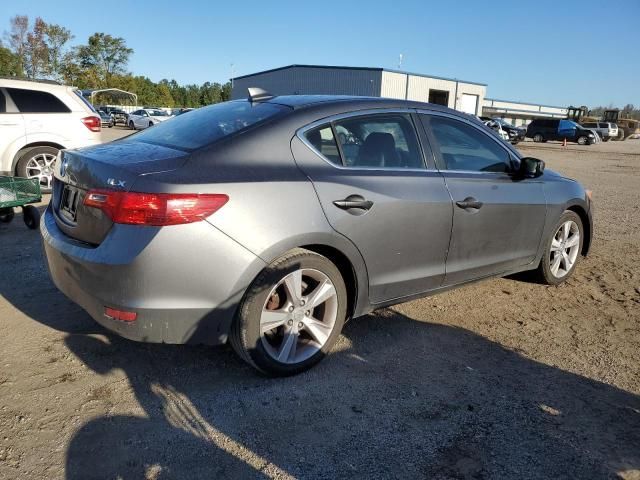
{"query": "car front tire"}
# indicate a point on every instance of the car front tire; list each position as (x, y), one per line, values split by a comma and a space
(583, 140)
(292, 314)
(562, 250)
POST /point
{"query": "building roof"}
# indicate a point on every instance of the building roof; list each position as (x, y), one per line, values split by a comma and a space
(373, 69)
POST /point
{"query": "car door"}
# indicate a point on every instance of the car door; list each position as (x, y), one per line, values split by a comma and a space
(370, 176)
(12, 132)
(567, 129)
(498, 219)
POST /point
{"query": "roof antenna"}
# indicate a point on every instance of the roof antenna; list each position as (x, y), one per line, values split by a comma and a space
(258, 94)
(400, 62)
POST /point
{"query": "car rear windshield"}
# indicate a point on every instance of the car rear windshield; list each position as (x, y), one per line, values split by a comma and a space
(208, 124)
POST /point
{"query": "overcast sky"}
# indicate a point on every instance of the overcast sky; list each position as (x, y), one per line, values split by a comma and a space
(552, 52)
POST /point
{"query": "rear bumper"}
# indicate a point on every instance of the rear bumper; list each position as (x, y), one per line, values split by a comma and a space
(184, 282)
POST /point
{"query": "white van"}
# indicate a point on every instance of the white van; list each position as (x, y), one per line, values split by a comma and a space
(37, 120)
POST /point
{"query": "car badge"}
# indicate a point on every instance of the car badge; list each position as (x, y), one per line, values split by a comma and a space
(116, 183)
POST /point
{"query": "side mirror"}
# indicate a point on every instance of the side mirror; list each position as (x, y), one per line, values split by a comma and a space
(531, 167)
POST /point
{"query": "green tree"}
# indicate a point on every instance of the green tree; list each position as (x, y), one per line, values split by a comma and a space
(56, 38)
(19, 28)
(105, 54)
(9, 63)
(37, 52)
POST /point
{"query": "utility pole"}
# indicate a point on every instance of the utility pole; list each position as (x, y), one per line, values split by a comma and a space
(400, 62)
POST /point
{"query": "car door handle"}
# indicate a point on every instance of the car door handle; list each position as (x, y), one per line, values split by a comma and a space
(469, 203)
(353, 201)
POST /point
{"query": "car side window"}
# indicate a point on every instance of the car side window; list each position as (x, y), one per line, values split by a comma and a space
(464, 147)
(322, 139)
(379, 141)
(3, 103)
(34, 101)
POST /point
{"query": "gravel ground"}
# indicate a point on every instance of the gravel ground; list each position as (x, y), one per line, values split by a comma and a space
(502, 379)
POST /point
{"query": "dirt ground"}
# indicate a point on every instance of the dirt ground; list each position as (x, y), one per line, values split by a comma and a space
(502, 379)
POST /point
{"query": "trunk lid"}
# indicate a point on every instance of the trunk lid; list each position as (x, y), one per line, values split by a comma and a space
(114, 166)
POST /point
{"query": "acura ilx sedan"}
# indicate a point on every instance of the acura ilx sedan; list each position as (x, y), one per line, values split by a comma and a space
(268, 222)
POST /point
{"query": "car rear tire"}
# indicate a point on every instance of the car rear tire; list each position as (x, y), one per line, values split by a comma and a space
(291, 315)
(538, 137)
(38, 162)
(583, 140)
(562, 249)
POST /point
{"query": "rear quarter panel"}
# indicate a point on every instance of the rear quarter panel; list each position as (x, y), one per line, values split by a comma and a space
(272, 205)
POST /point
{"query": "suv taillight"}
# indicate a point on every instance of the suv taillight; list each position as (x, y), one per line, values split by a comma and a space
(92, 123)
(158, 209)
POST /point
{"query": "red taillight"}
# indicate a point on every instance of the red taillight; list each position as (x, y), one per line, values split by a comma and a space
(120, 314)
(92, 123)
(159, 209)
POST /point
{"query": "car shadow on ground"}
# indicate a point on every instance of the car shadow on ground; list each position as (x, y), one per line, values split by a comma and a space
(398, 398)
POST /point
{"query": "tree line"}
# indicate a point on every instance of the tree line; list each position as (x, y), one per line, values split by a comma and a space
(42, 50)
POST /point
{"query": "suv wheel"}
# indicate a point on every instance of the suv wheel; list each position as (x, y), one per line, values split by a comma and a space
(562, 249)
(538, 138)
(291, 315)
(38, 163)
(583, 140)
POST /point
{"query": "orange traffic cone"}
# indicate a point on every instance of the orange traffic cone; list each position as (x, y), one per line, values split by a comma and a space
(564, 144)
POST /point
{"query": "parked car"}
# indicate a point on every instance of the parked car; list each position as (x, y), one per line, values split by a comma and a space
(106, 120)
(117, 114)
(147, 117)
(605, 130)
(37, 120)
(269, 230)
(180, 111)
(515, 134)
(544, 129)
(496, 127)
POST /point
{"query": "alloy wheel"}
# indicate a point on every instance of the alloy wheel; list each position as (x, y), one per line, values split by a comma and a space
(41, 166)
(298, 316)
(565, 248)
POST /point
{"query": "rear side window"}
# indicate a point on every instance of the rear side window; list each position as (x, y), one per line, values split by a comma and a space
(324, 142)
(464, 147)
(3, 103)
(207, 124)
(591, 125)
(34, 101)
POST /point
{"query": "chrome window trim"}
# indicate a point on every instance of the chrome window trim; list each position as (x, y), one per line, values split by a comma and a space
(300, 133)
(510, 152)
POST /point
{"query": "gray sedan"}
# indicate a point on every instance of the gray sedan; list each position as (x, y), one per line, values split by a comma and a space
(268, 222)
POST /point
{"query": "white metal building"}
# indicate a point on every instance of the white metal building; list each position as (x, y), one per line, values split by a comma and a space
(462, 95)
(520, 113)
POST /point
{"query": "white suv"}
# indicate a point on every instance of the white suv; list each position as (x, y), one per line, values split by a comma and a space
(38, 119)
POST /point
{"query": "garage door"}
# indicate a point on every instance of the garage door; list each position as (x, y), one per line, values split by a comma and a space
(469, 103)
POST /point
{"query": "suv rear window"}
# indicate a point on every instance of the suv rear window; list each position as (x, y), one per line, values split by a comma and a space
(35, 101)
(208, 124)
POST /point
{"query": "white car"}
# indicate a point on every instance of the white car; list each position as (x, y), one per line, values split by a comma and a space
(147, 117)
(37, 120)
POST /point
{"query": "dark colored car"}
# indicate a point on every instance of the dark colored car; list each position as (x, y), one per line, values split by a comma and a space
(286, 216)
(106, 120)
(543, 129)
(117, 114)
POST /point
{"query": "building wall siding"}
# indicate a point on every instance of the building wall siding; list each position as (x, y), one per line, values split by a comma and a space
(394, 85)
